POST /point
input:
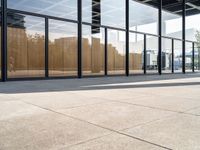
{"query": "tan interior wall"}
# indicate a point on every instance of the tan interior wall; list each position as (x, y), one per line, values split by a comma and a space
(28, 53)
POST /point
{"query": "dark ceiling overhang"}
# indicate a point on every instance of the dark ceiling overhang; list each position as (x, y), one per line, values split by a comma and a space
(175, 6)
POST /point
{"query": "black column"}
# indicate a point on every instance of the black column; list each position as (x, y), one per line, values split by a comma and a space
(46, 47)
(183, 37)
(4, 41)
(79, 38)
(127, 37)
(160, 39)
(145, 54)
(172, 55)
(106, 52)
(193, 57)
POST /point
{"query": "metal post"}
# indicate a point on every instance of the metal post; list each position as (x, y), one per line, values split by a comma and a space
(145, 55)
(127, 37)
(183, 38)
(46, 47)
(106, 52)
(172, 55)
(4, 41)
(79, 38)
(193, 57)
(160, 39)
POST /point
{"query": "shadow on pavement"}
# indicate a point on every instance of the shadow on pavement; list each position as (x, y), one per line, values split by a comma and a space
(95, 83)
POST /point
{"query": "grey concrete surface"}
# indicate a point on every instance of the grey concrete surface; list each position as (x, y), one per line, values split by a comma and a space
(109, 113)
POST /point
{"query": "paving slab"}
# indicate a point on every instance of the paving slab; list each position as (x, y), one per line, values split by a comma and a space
(115, 142)
(45, 131)
(179, 132)
(116, 115)
(59, 100)
(16, 109)
(170, 103)
(195, 111)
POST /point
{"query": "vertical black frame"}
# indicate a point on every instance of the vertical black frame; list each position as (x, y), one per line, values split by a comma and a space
(127, 37)
(106, 52)
(160, 38)
(4, 40)
(145, 54)
(183, 35)
(172, 55)
(46, 47)
(193, 57)
(79, 38)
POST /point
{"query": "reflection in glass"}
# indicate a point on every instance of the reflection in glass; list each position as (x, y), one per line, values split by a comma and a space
(26, 46)
(192, 22)
(58, 8)
(178, 56)
(152, 54)
(143, 18)
(172, 24)
(62, 48)
(116, 52)
(188, 56)
(197, 57)
(136, 51)
(104, 12)
(93, 50)
(166, 55)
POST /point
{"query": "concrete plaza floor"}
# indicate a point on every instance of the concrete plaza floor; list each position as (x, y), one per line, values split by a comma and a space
(108, 113)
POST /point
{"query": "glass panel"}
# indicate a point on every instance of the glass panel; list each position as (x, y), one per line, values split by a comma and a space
(177, 56)
(166, 55)
(104, 12)
(197, 57)
(0, 45)
(143, 17)
(136, 53)
(188, 56)
(171, 21)
(116, 52)
(93, 50)
(59, 8)
(26, 46)
(62, 48)
(192, 21)
(152, 54)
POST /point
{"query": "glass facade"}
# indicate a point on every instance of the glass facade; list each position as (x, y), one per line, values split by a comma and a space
(58, 8)
(188, 56)
(178, 56)
(143, 18)
(116, 52)
(75, 38)
(166, 55)
(196, 57)
(136, 53)
(25, 45)
(62, 48)
(152, 54)
(93, 54)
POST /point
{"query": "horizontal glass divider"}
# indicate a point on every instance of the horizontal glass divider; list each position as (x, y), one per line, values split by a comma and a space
(103, 26)
(41, 15)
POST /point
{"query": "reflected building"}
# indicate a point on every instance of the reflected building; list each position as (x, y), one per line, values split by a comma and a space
(44, 39)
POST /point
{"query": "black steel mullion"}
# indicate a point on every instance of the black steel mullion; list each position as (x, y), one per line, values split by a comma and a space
(160, 39)
(183, 37)
(46, 47)
(106, 52)
(79, 38)
(172, 55)
(193, 57)
(145, 54)
(4, 40)
(127, 37)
